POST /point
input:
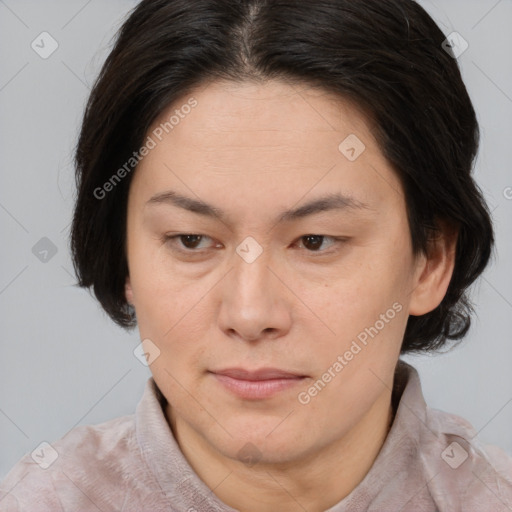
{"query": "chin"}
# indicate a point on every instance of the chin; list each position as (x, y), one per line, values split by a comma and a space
(261, 442)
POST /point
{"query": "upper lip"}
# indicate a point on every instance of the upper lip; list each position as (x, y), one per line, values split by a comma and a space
(261, 374)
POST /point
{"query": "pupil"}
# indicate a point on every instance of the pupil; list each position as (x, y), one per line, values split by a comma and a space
(190, 241)
(313, 241)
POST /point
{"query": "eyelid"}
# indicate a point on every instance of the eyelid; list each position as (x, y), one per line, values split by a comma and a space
(324, 238)
(335, 246)
(168, 238)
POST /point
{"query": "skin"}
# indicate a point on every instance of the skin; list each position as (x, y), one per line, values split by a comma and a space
(255, 151)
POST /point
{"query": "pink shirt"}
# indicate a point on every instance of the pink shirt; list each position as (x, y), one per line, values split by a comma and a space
(430, 462)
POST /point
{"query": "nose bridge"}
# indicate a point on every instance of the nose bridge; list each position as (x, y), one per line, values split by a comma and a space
(253, 302)
(251, 277)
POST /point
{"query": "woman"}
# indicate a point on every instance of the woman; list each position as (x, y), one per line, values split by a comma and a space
(279, 196)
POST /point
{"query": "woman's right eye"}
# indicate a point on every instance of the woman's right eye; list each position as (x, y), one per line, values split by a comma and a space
(187, 242)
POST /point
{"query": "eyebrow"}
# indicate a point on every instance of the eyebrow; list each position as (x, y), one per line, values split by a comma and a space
(322, 204)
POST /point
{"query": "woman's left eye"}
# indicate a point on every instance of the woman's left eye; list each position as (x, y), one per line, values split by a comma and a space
(313, 243)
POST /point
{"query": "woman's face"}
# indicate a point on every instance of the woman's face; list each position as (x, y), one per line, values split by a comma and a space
(280, 321)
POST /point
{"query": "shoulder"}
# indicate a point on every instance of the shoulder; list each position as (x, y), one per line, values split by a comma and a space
(71, 472)
(439, 456)
(465, 474)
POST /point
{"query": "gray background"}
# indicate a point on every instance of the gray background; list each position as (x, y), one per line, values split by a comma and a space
(63, 362)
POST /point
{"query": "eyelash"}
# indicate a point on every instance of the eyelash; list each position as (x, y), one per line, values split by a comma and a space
(171, 239)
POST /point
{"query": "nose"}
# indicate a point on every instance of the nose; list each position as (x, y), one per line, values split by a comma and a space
(255, 303)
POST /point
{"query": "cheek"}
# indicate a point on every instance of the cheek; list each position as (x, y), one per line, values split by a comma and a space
(173, 311)
(158, 287)
(365, 306)
(354, 299)
(168, 312)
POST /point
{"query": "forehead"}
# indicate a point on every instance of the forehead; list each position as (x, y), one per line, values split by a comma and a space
(259, 112)
(263, 139)
(223, 101)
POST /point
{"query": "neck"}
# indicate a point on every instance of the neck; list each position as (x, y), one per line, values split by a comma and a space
(315, 482)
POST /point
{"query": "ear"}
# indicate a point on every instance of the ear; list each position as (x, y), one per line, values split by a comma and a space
(128, 292)
(434, 270)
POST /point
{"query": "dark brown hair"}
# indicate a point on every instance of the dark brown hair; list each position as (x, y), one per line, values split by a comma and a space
(384, 55)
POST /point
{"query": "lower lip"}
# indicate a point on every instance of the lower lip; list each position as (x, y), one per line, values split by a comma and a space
(256, 389)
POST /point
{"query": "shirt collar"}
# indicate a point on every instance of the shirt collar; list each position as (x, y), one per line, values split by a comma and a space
(401, 446)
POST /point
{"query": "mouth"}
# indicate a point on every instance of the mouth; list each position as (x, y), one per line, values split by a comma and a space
(257, 384)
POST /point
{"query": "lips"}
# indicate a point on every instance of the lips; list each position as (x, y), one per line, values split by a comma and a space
(257, 375)
(257, 384)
